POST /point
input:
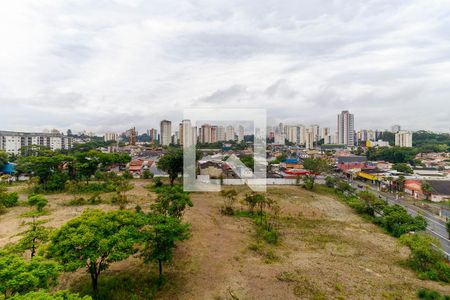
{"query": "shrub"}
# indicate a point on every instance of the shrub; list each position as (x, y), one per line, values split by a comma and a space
(37, 200)
(330, 181)
(266, 232)
(308, 182)
(425, 258)
(8, 199)
(127, 175)
(147, 174)
(157, 182)
(427, 294)
(229, 200)
(397, 221)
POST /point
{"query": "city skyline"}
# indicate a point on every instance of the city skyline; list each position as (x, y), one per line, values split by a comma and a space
(117, 64)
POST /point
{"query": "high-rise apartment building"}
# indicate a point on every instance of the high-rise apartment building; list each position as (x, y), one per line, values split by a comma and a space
(205, 136)
(221, 134)
(153, 135)
(310, 139)
(240, 133)
(165, 132)
(229, 133)
(292, 134)
(403, 138)
(185, 133)
(316, 131)
(111, 136)
(12, 142)
(214, 130)
(346, 129)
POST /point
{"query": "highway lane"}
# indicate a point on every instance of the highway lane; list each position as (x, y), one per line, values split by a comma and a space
(435, 225)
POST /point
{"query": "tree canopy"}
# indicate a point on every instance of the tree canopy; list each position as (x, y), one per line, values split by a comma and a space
(95, 240)
(3, 158)
(161, 236)
(20, 276)
(172, 163)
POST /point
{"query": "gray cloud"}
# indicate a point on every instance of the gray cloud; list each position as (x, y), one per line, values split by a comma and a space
(109, 65)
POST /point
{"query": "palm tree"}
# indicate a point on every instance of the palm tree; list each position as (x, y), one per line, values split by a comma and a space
(400, 184)
(426, 189)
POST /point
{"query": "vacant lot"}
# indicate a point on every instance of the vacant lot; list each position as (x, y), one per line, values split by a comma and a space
(326, 252)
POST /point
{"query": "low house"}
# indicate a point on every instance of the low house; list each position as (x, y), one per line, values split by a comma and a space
(137, 166)
(413, 187)
(211, 168)
(440, 189)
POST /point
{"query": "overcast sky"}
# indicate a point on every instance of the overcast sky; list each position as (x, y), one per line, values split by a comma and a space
(109, 65)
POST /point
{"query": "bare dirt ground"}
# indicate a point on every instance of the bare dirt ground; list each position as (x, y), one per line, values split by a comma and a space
(326, 251)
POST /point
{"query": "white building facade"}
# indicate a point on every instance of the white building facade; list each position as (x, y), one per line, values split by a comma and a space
(12, 142)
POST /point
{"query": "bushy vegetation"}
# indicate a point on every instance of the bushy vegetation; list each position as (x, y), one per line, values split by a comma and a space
(230, 197)
(54, 169)
(427, 294)
(18, 275)
(171, 201)
(264, 211)
(403, 167)
(393, 154)
(315, 166)
(8, 199)
(172, 163)
(426, 257)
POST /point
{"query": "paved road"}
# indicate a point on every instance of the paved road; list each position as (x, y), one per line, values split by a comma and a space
(436, 226)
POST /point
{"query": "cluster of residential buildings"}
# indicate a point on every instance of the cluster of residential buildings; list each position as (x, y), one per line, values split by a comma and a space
(434, 170)
(12, 142)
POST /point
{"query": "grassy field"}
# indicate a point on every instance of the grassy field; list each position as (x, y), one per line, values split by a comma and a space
(325, 251)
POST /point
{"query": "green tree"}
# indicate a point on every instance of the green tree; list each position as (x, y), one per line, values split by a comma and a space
(308, 181)
(87, 163)
(34, 236)
(400, 183)
(3, 159)
(95, 240)
(330, 181)
(171, 201)
(172, 163)
(403, 167)
(19, 275)
(147, 174)
(426, 256)
(161, 235)
(48, 167)
(426, 189)
(397, 221)
(257, 200)
(372, 204)
(37, 200)
(315, 166)
(8, 199)
(344, 187)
